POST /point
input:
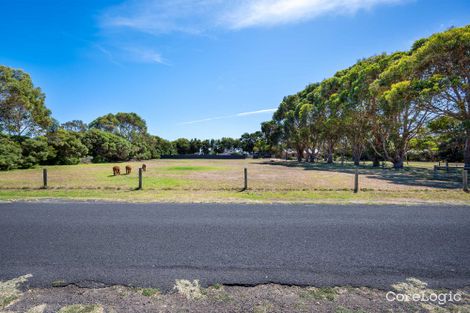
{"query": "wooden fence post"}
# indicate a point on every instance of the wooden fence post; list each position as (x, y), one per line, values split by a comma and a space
(44, 178)
(356, 181)
(140, 179)
(246, 179)
(465, 180)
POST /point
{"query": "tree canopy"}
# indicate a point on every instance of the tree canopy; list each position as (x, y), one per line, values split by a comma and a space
(381, 103)
(127, 125)
(22, 107)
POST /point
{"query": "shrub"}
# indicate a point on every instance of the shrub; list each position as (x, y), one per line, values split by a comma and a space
(34, 151)
(68, 147)
(10, 154)
(107, 147)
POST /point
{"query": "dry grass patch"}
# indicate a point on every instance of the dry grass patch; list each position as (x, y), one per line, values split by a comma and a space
(9, 291)
(319, 293)
(191, 290)
(37, 309)
(413, 286)
(81, 308)
(222, 181)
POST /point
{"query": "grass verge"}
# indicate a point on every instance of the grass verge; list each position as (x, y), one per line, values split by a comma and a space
(444, 197)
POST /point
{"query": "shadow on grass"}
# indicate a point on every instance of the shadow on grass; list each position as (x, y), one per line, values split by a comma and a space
(411, 176)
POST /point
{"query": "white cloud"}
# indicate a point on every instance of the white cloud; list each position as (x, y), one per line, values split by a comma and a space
(242, 114)
(196, 16)
(143, 55)
(163, 16)
(270, 13)
(157, 17)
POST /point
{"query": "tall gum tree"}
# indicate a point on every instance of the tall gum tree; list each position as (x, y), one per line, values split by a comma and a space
(291, 116)
(443, 62)
(314, 119)
(402, 113)
(127, 125)
(22, 105)
(361, 126)
(331, 106)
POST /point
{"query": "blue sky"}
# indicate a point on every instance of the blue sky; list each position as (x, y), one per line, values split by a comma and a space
(202, 68)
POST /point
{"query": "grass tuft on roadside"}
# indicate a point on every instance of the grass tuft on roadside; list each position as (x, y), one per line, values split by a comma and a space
(150, 292)
(191, 290)
(9, 290)
(323, 293)
(81, 308)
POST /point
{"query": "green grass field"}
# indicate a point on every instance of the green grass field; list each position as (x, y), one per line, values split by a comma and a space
(222, 181)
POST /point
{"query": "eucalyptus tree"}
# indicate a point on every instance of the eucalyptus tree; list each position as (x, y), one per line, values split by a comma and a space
(272, 133)
(22, 105)
(182, 146)
(130, 125)
(75, 126)
(248, 141)
(292, 116)
(105, 123)
(205, 146)
(331, 108)
(450, 138)
(442, 62)
(360, 111)
(229, 143)
(127, 125)
(314, 119)
(382, 102)
(402, 112)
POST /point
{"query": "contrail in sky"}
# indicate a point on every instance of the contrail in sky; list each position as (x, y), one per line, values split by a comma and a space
(229, 116)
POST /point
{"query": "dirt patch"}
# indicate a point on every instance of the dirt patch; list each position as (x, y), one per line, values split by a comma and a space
(218, 298)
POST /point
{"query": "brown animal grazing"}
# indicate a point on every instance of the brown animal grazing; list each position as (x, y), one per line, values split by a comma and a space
(116, 170)
(144, 167)
(128, 169)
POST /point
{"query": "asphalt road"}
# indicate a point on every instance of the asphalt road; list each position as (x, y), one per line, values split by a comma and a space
(154, 244)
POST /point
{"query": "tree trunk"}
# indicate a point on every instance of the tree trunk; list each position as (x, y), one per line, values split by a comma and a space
(357, 160)
(398, 163)
(329, 159)
(299, 154)
(399, 159)
(466, 153)
(376, 161)
(357, 156)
